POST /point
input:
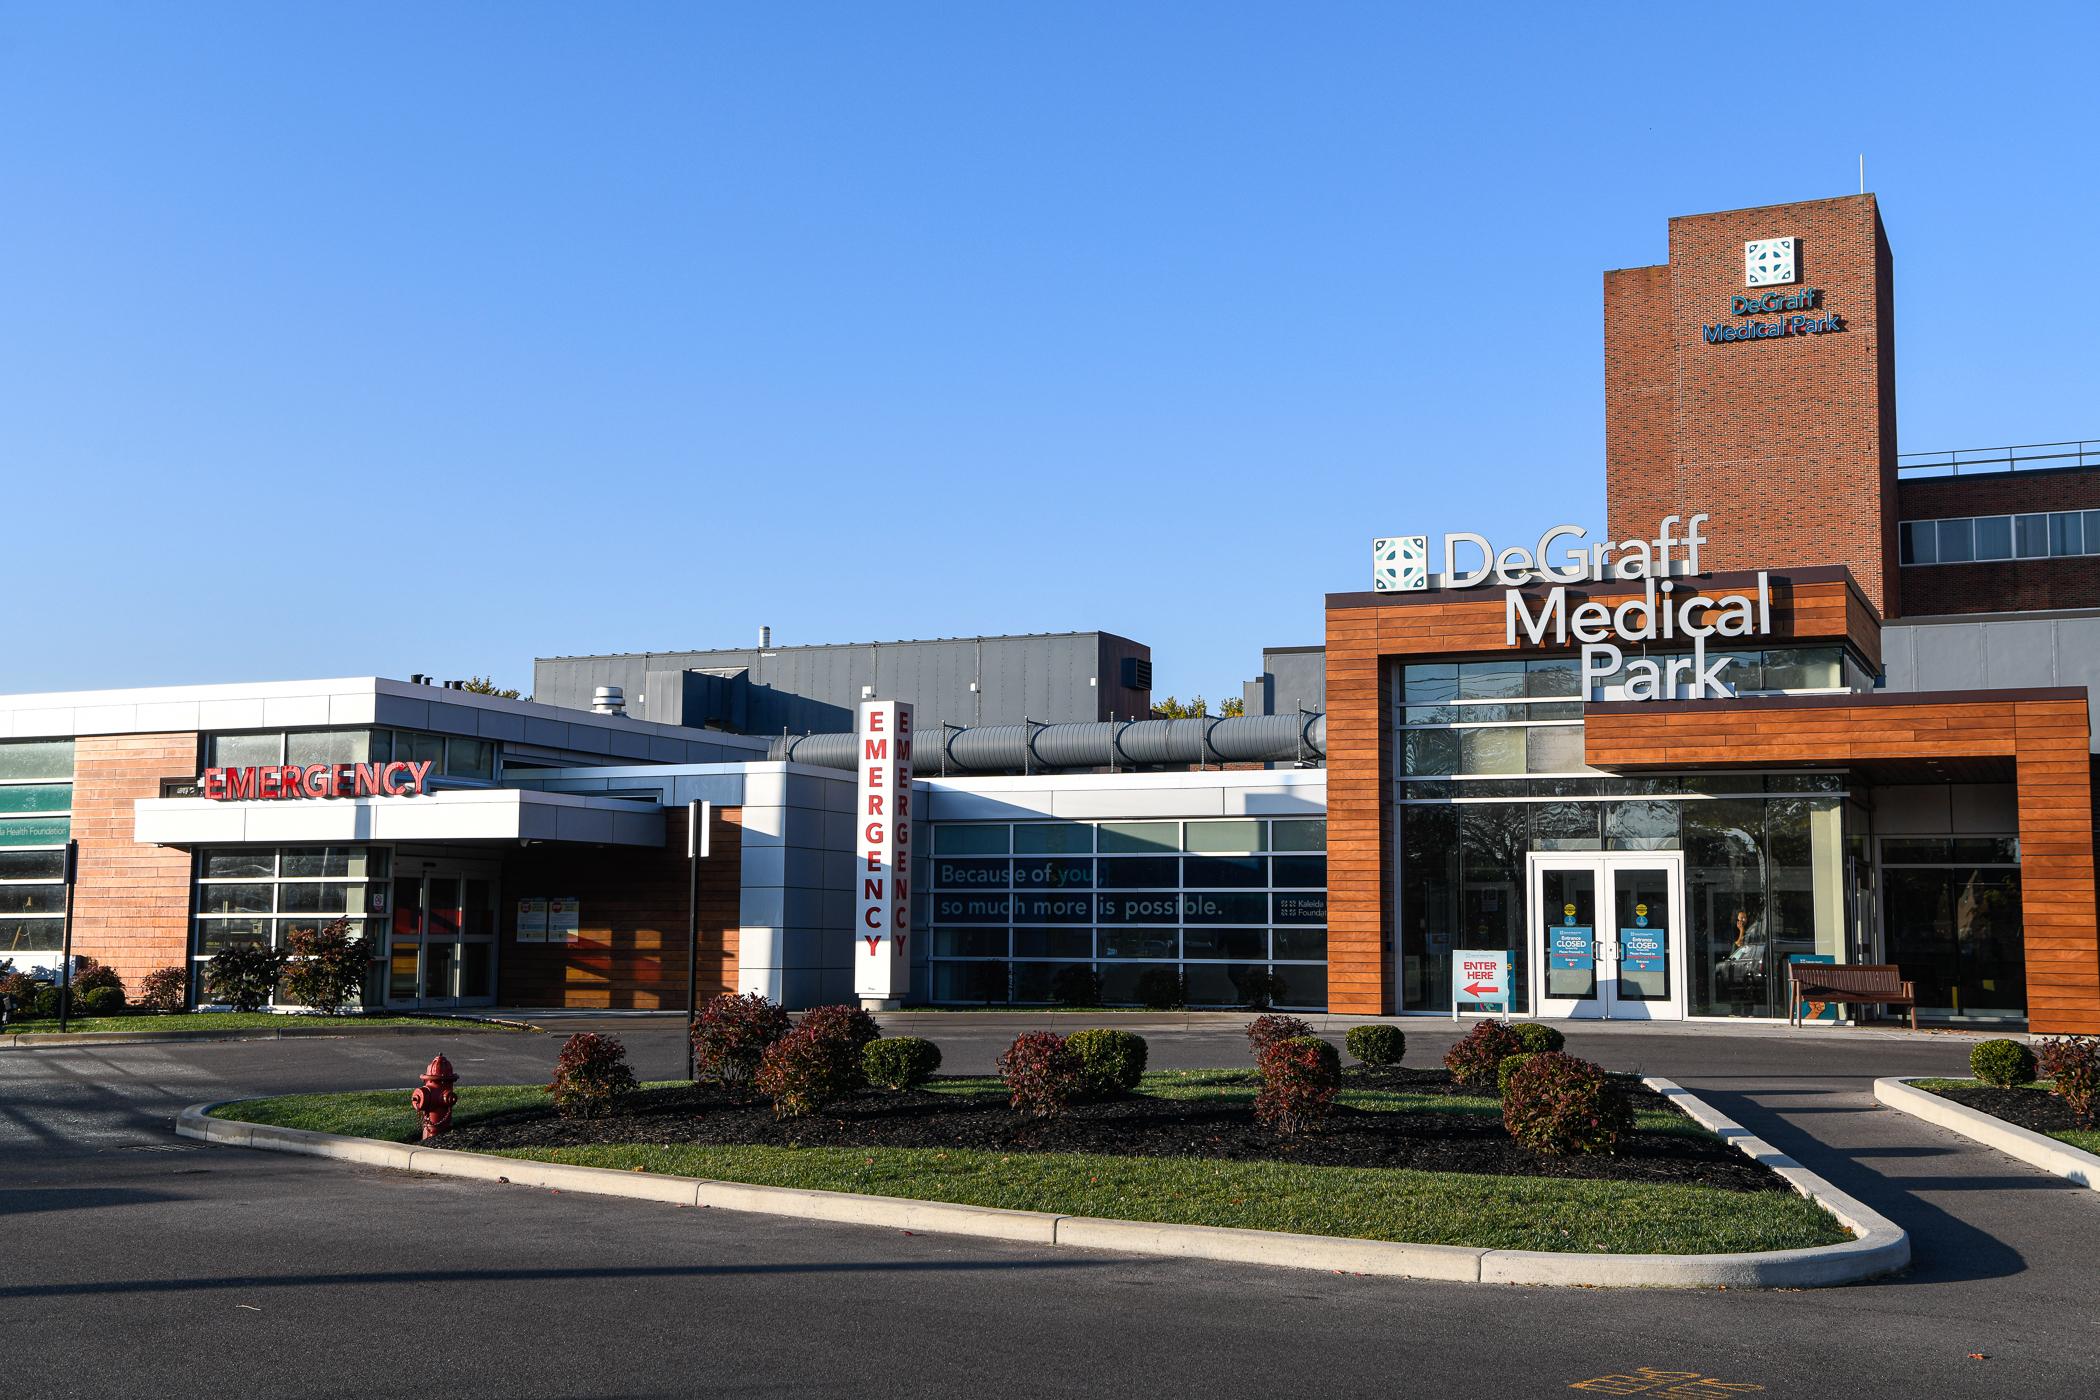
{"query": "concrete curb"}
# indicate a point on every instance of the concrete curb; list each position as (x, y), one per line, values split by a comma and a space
(2057, 1158)
(1879, 1246)
(466, 1025)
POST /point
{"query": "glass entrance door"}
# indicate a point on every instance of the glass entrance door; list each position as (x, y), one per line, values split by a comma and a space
(1605, 933)
(441, 948)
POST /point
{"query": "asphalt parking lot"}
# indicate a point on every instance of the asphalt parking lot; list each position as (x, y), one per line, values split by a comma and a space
(140, 1264)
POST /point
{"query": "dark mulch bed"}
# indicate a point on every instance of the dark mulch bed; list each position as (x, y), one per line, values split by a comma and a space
(2034, 1109)
(1138, 1126)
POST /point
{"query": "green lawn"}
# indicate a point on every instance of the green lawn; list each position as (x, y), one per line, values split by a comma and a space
(1501, 1212)
(2084, 1139)
(221, 1021)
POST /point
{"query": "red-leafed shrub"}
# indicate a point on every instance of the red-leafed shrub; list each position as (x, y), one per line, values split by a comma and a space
(1265, 1031)
(730, 1037)
(591, 1076)
(1042, 1073)
(1480, 1052)
(808, 1068)
(1299, 1077)
(849, 1027)
(1557, 1104)
(89, 975)
(18, 994)
(2073, 1062)
(164, 989)
(327, 967)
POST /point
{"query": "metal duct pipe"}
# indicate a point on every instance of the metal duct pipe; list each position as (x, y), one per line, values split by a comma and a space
(1023, 748)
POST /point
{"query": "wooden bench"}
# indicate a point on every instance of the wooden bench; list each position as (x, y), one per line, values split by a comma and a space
(1862, 984)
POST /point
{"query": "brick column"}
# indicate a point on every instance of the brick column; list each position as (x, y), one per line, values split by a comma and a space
(131, 905)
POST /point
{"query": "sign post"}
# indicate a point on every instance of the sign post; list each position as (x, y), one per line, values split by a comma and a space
(1480, 975)
(698, 817)
(65, 957)
(882, 854)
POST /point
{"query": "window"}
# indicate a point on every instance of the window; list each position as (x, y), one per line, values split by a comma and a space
(259, 895)
(1200, 901)
(2036, 535)
(1994, 537)
(36, 800)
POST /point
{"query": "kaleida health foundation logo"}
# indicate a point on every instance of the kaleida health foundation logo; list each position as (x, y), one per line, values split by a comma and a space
(1769, 262)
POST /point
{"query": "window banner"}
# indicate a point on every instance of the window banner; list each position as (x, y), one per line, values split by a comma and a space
(882, 852)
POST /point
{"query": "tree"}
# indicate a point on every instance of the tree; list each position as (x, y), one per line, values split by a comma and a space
(483, 685)
(1196, 708)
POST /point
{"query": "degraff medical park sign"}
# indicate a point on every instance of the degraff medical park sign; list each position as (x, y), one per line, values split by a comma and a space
(1769, 262)
(1667, 610)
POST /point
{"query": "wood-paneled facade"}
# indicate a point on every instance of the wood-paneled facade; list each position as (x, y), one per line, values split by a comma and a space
(2040, 736)
(2043, 733)
(630, 951)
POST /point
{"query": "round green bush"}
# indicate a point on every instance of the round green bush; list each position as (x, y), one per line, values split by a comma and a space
(1376, 1045)
(45, 1005)
(1509, 1066)
(102, 1001)
(1557, 1104)
(1110, 1062)
(2007, 1064)
(900, 1062)
(1537, 1037)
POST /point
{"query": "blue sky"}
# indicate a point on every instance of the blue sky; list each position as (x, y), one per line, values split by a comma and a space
(392, 338)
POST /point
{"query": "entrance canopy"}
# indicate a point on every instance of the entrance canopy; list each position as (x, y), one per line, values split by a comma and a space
(2041, 733)
(459, 814)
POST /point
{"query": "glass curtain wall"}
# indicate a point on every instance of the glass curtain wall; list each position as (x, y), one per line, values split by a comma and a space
(468, 761)
(1951, 918)
(260, 895)
(1216, 913)
(1490, 768)
(36, 820)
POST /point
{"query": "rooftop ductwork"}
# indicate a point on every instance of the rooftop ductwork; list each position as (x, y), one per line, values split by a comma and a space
(1049, 748)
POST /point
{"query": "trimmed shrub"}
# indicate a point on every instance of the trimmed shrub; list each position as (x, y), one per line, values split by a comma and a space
(1509, 1066)
(89, 975)
(846, 1031)
(1537, 1037)
(1377, 1046)
(1557, 1104)
(1110, 1062)
(806, 1069)
(1299, 1078)
(1478, 1056)
(591, 1076)
(730, 1037)
(1265, 1030)
(164, 989)
(244, 976)
(1161, 989)
(18, 994)
(1042, 1073)
(900, 1062)
(102, 1001)
(2073, 1062)
(2004, 1064)
(326, 971)
(1076, 986)
(45, 1005)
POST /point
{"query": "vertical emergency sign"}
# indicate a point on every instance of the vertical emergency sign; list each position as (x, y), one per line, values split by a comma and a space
(882, 854)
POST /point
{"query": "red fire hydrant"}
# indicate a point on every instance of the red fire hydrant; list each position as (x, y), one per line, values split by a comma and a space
(435, 1099)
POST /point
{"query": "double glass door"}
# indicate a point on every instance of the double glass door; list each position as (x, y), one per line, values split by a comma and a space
(1606, 935)
(441, 948)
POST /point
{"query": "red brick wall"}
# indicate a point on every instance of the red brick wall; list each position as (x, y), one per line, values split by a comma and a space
(2009, 585)
(1788, 443)
(132, 904)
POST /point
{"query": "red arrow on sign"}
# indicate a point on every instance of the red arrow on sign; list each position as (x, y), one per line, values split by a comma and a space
(1475, 989)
